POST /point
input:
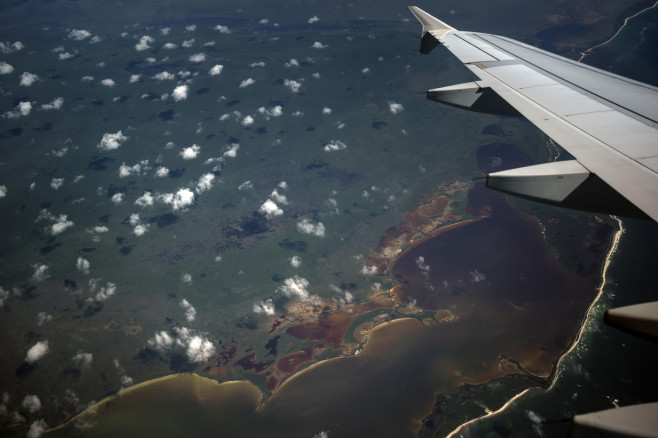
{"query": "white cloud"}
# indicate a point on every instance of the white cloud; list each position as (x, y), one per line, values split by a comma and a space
(477, 276)
(87, 78)
(54, 105)
(247, 185)
(190, 28)
(83, 359)
(162, 172)
(270, 209)
(64, 56)
(313, 19)
(277, 197)
(197, 347)
(108, 82)
(143, 43)
(164, 76)
(140, 229)
(6, 47)
(42, 318)
(257, 64)
(186, 279)
(79, 34)
(316, 75)
(61, 224)
(275, 111)
(319, 45)
(136, 169)
(326, 110)
(297, 287)
(37, 351)
(37, 428)
(165, 30)
(56, 183)
(101, 229)
(28, 79)
(295, 261)
(105, 292)
(31, 403)
(180, 93)
(5, 68)
(134, 78)
(117, 198)
(334, 145)
(190, 311)
(40, 272)
(197, 58)
(267, 307)
(292, 63)
(395, 107)
(188, 43)
(111, 141)
(146, 200)
(293, 86)
(190, 153)
(95, 39)
(182, 199)
(232, 150)
(365, 70)
(83, 265)
(3, 191)
(217, 69)
(307, 227)
(3, 296)
(170, 46)
(246, 82)
(222, 29)
(22, 109)
(205, 182)
(247, 121)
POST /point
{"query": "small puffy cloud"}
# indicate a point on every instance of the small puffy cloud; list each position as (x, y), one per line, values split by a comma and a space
(31, 403)
(190, 28)
(257, 64)
(61, 224)
(180, 93)
(307, 227)
(222, 29)
(143, 43)
(205, 182)
(41, 272)
(83, 265)
(105, 292)
(275, 111)
(270, 209)
(232, 150)
(365, 70)
(297, 287)
(117, 198)
(186, 279)
(111, 141)
(87, 78)
(164, 76)
(146, 200)
(180, 200)
(36, 352)
(170, 46)
(37, 428)
(277, 197)
(5, 68)
(6, 47)
(54, 105)
(64, 56)
(476, 276)
(246, 82)
(319, 45)
(165, 30)
(190, 153)
(56, 183)
(197, 347)
(326, 110)
(83, 359)
(108, 82)
(188, 43)
(28, 79)
(292, 63)
(134, 78)
(247, 121)
(293, 86)
(162, 172)
(125, 170)
(395, 107)
(217, 69)
(313, 19)
(21, 110)
(295, 261)
(79, 34)
(334, 145)
(140, 229)
(197, 58)
(190, 311)
(42, 318)
(266, 307)
(3, 191)
(3, 296)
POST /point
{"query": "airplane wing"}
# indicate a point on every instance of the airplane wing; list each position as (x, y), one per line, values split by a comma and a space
(608, 123)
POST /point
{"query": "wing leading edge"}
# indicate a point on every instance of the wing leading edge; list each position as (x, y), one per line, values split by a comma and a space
(608, 123)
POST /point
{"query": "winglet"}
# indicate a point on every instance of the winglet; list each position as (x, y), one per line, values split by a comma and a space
(433, 25)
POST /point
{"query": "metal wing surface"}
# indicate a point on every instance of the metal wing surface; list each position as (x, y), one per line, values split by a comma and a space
(608, 123)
